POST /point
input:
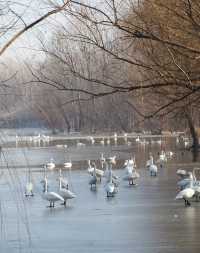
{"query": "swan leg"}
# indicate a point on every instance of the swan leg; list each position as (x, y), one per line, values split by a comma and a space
(188, 203)
(185, 201)
(64, 203)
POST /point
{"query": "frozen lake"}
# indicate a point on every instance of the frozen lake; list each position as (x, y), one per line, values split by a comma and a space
(140, 219)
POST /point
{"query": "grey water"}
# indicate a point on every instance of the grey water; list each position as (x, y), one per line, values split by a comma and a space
(143, 218)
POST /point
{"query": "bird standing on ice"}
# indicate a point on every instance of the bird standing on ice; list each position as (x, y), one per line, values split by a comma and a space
(52, 197)
(110, 187)
(186, 194)
(152, 167)
(93, 179)
(63, 192)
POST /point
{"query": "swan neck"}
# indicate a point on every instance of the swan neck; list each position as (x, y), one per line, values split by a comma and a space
(94, 169)
(194, 173)
(45, 185)
(60, 183)
(110, 174)
(151, 160)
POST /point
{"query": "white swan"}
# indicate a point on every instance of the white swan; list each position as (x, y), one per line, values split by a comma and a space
(184, 182)
(131, 174)
(93, 179)
(90, 138)
(102, 160)
(115, 137)
(29, 189)
(186, 194)
(191, 180)
(45, 137)
(137, 139)
(149, 162)
(112, 159)
(115, 179)
(169, 154)
(52, 197)
(80, 144)
(51, 165)
(68, 165)
(152, 167)
(181, 173)
(108, 141)
(110, 187)
(163, 157)
(29, 185)
(196, 184)
(63, 192)
(102, 141)
(99, 173)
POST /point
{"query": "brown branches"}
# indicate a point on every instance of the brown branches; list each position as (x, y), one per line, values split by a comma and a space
(31, 25)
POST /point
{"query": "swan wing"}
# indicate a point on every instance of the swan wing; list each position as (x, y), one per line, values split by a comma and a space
(186, 193)
(153, 168)
(67, 194)
(93, 180)
(110, 187)
(29, 187)
(183, 182)
(99, 172)
(56, 195)
(90, 170)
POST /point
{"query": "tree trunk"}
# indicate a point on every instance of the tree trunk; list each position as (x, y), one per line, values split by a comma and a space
(195, 139)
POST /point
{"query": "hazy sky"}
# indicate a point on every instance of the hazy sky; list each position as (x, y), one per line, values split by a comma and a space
(28, 10)
(25, 47)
